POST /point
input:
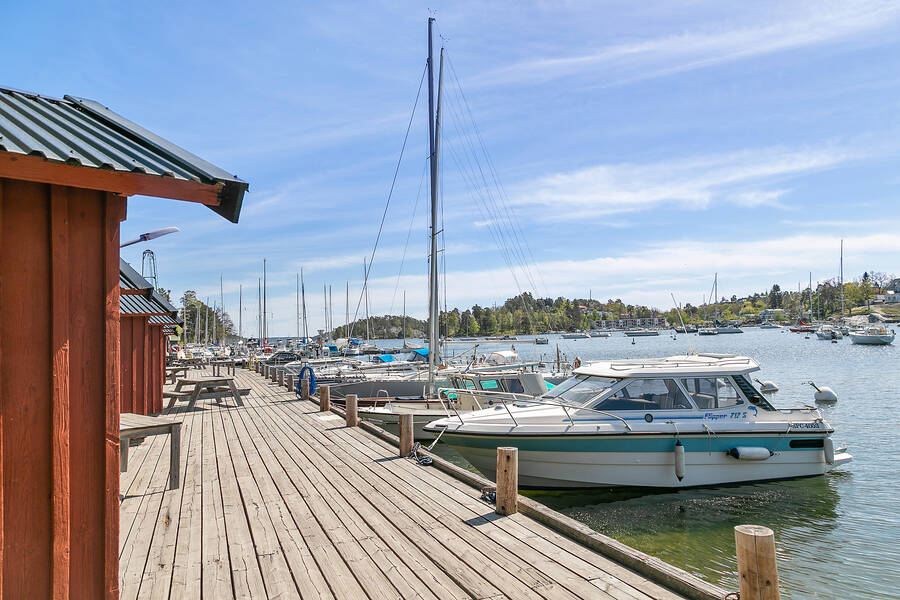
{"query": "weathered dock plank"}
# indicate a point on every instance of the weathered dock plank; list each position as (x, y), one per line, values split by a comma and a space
(280, 500)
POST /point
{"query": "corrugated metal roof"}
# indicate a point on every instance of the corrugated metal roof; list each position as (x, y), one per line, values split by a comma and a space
(149, 302)
(82, 132)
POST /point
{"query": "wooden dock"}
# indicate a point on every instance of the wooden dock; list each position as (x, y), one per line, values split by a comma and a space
(278, 500)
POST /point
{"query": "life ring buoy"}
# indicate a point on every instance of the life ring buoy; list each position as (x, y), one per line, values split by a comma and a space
(311, 377)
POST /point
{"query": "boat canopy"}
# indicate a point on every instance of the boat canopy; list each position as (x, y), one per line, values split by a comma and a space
(419, 354)
(383, 358)
(672, 366)
(503, 357)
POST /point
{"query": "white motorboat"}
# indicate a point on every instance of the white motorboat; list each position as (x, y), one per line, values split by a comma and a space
(600, 334)
(466, 392)
(674, 422)
(541, 340)
(641, 332)
(578, 335)
(770, 325)
(828, 332)
(874, 335)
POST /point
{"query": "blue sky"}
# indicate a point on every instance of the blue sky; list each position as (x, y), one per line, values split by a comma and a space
(641, 146)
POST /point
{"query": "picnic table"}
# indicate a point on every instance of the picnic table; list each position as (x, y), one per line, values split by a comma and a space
(229, 365)
(214, 388)
(138, 426)
(195, 362)
(172, 372)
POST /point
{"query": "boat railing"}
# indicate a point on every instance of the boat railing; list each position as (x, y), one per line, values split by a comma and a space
(527, 399)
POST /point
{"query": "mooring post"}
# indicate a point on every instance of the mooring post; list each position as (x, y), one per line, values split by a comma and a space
(507, 481)
(324, 398)
(304, 389)
(351, 411)
(280, 376)
(256, 366)
(757, 568)
(274, 374)
(406, 434)
(289, 381)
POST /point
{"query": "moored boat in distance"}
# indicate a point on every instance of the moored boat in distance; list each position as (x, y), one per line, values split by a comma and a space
(681, 421)
(874, 335)
(641, 332)
(578, 335)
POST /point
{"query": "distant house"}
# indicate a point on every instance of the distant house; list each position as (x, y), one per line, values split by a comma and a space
(892, 291)
(770, 314)
(627, 322)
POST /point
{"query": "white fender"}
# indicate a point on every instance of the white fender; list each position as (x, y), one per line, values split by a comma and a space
(679, 460)
(829, 451)
(750, 453)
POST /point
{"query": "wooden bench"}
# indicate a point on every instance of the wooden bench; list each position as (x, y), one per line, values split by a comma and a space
(138, 426)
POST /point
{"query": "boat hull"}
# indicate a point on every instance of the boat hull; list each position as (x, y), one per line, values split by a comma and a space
(871, 340)
(643, 461)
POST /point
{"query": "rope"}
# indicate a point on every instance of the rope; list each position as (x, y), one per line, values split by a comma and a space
(422, 460)
(312, 379)
(489, 494)
(388, 202)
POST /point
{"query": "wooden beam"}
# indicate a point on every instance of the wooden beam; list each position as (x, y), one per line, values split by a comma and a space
(115, 213)
(59, 406)
(35, 168)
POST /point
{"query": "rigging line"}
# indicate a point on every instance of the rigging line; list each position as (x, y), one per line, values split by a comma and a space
(491, 227)
(515, 225)
(408, 234)
(493, 207)
(390, 194)
(513, 221)
(470, 177)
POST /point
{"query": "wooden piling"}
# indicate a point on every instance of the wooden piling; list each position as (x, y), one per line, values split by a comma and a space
(265, 371)
(280, 376)
(507, 481)
(304, 389)
(274, 372)
(757, 568)
(406, 434)
(324, 398)
(351, 411)
(289, 382)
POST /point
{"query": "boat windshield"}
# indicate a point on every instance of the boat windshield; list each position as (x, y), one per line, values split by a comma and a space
(579, 390)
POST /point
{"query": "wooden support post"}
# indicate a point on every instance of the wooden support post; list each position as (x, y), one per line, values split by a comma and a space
(280, 376)
(275, 371)
(351, 411)
(324, 398)
(757, 568)
(265, 371)
(507, 481)
(289, 383)
(304, 389)
(406, 434)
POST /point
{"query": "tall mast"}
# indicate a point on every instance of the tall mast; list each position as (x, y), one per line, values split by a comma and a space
(842, 278)
(222, 301)
(347, 314)
(330, 312)
(298, 305)
(241, 311)
(434, 124)
(810, 296)
(366, 294)
(404, 318)
(259, 310)
(265, 322)
(197, 328)
(303, 303)
(325, 296)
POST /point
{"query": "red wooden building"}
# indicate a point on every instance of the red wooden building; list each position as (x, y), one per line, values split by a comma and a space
(66, 167)
(147, 319)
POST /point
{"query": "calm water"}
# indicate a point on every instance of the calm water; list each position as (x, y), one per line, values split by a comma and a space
(837, 536)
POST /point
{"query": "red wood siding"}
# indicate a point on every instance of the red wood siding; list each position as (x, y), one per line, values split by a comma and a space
(59, 393)
(142, 366)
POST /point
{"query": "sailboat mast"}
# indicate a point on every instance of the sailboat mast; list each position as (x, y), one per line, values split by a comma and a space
(303, 304)
(842, 278)
(330, 312)
(265, 324)
(241, 311)
(433, 143)
(258, 310)
(404, 318)
(366, 294)
(347, 313)
(810, 296)
(298, 306)
(222, 301)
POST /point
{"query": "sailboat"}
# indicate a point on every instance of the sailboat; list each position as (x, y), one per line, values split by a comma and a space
(718, 327)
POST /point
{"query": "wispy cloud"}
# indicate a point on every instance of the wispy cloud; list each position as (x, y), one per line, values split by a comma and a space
(817, 23)
(693, 183)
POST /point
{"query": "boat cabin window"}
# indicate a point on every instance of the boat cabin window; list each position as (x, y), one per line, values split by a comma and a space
(712, 392)
(468, 384)
(514, 386)
(579, 390)
(489, 384)
(647, 394)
